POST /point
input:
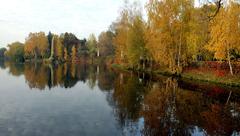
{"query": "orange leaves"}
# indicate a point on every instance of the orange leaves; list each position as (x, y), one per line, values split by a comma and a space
(36, 45)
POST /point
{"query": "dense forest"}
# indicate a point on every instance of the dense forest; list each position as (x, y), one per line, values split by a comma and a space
(176, 34)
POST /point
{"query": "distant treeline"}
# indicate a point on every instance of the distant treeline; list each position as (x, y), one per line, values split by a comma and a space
(52, 47)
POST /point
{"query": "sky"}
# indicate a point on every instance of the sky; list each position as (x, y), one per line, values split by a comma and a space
(81, 17)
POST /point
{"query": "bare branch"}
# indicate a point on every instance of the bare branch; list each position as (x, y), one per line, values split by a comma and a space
(219, 4)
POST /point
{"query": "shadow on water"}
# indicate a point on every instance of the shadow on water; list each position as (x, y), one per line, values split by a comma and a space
(142, 104)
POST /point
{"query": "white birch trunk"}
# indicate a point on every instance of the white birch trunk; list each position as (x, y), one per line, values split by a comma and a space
(98, 53)
(229, 62)
(52, 49)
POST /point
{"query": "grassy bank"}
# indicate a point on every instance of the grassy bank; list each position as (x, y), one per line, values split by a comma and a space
(209, 77)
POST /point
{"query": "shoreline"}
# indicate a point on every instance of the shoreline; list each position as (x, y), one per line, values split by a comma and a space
(182, 76)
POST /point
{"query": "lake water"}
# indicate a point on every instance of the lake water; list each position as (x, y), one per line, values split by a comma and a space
(94, 100)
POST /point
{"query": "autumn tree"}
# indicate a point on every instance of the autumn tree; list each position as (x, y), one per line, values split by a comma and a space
(168, 26)
(136, 50)
(59, 48)
(129, 37)
(36, 45)
(160, 34)
(15, 52)
(92, 45)
(121, 33)
(198, 35)
(225, 33)
(105, 43)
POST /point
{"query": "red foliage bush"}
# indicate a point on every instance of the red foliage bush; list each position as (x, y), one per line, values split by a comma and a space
(218, 68)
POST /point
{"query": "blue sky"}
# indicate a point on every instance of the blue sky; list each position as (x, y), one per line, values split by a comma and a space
(81, 17)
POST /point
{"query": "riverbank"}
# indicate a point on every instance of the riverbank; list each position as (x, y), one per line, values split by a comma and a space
(217, 77)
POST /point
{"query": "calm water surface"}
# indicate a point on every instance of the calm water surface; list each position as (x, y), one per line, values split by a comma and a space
(91, 100)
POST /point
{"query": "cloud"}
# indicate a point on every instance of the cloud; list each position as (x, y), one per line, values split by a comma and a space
(81, 17)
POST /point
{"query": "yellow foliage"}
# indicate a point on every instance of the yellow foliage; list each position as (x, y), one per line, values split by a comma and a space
(225, 31)
(36, 45)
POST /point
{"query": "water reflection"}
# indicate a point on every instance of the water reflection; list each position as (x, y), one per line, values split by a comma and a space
(43, 76)
(169, 109)
(153, 107)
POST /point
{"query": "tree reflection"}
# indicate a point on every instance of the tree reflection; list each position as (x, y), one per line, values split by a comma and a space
(105, 78)
(170, 110)
(221, 119)
(164, 105)
(36, 76)
(2, 65)
(128, 96)
(67, 75)
(92, 76)
(15, 69)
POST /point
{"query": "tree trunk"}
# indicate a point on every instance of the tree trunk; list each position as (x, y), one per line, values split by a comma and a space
(229, 62)
(98, 53)
(179, 54)
(52, 49)
(121, 54)
(229, 96)
(179, 48)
